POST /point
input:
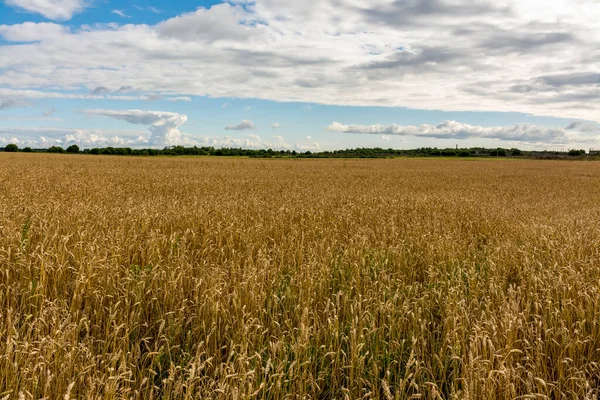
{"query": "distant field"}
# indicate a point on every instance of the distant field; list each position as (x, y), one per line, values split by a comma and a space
(185, 278)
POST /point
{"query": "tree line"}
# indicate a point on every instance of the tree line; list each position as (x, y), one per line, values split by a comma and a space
(375, 152)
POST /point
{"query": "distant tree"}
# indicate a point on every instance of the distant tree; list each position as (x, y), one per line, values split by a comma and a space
(27, 150)
(576, 153)
(73, 149)
(56, 149)
(464, 153)
(11, 148)
(515, 152)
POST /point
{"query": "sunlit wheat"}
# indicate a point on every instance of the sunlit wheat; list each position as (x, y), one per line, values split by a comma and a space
(185, 278)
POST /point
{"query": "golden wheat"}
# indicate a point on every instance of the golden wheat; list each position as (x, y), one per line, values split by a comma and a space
(234, 278)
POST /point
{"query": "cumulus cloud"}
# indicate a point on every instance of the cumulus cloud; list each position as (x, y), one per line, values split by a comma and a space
(163, 125)
(312, 146)
(85, 138)
(242, 126)
(88, 138)
(220, 22)
(525, 133)
(275, 125)
(51, 9)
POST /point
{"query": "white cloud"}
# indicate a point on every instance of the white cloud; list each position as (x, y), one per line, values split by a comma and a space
(85, 138)
(163, 125)
(52, 9)
(149, 8)
(247, 108)
(32, 32)
(308, 137)
(313, 146)
(120, 13)
(525, 133)
(275, 125)
(244, 125)
(226, 105)
(89, 138)
(534, 56)
(220, 22)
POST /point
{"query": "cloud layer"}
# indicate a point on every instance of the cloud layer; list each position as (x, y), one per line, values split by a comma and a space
(536, 56)
(524, 133)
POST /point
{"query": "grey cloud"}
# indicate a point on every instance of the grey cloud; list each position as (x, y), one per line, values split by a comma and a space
(155, 97)
(413, 12)
(572, 79)
(9, 103)
(244, 125)
(583, 126)
(524, 42)
(272, 59)
(522, 88)
(99, 90)
(409, 60)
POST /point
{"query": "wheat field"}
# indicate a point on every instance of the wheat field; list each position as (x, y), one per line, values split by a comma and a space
(187, 278)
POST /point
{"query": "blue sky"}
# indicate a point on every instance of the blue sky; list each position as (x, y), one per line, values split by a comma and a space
(310, 76)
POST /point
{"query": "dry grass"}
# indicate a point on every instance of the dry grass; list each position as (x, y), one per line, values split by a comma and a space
(331, 279)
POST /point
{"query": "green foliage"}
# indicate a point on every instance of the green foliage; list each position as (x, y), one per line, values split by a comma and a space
(56, 149)
(375, 152)
(73, 149)
(11, 148)
(576, 153)
(27, 150)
